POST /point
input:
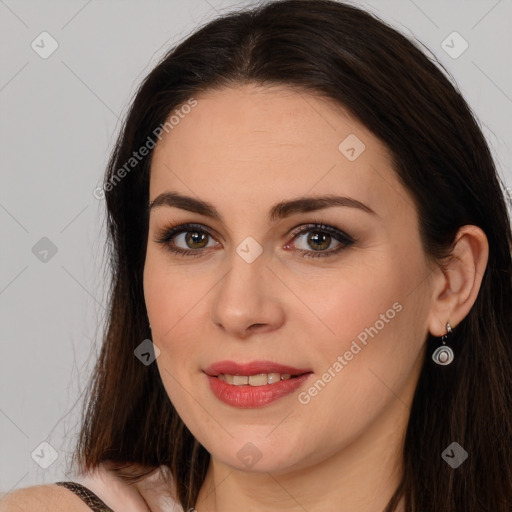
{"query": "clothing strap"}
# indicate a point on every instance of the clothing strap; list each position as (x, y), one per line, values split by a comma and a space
(93, 501)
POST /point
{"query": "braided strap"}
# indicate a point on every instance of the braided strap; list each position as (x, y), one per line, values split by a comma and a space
(93, 501)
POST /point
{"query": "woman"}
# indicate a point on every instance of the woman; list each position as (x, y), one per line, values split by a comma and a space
(311, 295)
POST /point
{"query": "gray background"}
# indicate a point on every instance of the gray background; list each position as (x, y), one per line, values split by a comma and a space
(59, 117)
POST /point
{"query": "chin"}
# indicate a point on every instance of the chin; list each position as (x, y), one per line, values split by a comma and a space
(255, 454)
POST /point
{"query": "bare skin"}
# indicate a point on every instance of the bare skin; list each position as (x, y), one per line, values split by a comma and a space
(243, 150)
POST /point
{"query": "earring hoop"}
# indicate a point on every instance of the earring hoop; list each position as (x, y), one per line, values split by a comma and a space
(443, 355)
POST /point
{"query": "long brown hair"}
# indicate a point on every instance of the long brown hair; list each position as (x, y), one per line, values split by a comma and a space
(439, 153)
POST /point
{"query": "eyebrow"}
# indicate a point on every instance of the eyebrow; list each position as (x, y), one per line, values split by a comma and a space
(278, 211)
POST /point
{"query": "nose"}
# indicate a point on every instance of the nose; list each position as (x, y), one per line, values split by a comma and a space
(247, 299)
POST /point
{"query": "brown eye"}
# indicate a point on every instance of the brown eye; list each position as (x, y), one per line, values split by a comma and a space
(319, 241)
(319, 238)
(189, 239)
(196, 239)
(186, 239)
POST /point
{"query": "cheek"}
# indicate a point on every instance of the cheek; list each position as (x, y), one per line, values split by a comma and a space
(174, 303)
(379, 293)
(168, 292)
(369, 330)
(164, 311)
(166, 303)
(355, 302)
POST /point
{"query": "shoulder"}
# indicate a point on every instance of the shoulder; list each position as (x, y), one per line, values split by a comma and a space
(152, 494)
(42, 498)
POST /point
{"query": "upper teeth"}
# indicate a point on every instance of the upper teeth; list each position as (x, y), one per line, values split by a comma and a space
(254, 380)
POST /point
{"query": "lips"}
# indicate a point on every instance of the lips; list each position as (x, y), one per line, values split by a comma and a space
(252, 368)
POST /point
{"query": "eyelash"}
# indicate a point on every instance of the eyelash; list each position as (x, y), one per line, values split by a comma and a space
(167, 234)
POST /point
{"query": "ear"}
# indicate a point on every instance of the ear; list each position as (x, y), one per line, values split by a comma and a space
(456, 285)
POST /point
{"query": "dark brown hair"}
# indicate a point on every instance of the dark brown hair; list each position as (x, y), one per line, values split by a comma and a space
(440, 155)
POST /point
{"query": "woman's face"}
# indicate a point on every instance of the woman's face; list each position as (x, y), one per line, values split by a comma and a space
(347, 307)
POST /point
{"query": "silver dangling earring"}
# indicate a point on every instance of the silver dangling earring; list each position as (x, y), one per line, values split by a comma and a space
(443, 355)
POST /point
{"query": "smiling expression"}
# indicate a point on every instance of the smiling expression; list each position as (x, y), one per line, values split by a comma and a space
(268, 243)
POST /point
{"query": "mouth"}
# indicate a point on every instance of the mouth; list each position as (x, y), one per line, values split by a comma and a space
(254, 373)
(253, 384)
(260, 379)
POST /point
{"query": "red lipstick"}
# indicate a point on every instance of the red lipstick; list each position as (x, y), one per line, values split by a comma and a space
(252, 368)
(246, 395)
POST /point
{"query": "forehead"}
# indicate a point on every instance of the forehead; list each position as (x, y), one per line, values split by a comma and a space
(268, 144)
